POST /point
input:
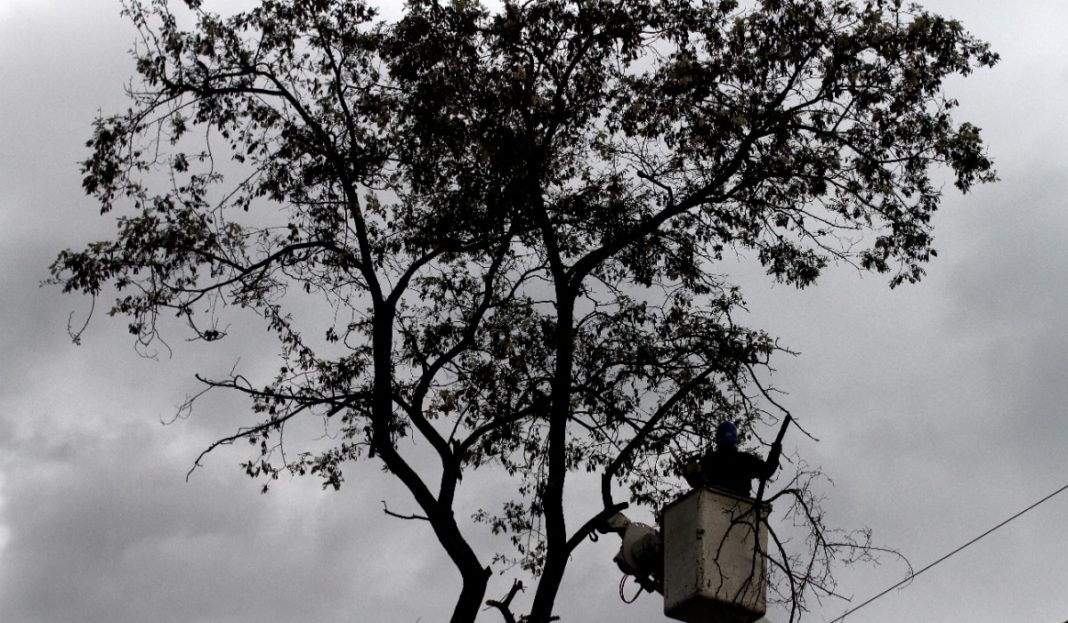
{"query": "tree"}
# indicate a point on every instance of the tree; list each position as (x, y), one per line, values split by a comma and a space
(516, 216)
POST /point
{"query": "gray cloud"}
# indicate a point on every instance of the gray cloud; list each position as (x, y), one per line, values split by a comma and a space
(939, 406)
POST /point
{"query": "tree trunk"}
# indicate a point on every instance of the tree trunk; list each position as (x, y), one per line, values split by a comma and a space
(553, 503)
(472, 594)
(541, 610)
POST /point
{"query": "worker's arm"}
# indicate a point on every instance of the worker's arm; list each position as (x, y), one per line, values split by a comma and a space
(691, 472)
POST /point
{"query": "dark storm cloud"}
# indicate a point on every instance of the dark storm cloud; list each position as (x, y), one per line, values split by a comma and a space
(104, 530)
(98, 524)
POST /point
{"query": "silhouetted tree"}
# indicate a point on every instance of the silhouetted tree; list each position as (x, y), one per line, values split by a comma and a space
(516, 213)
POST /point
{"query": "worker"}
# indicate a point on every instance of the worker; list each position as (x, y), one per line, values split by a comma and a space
(728, 468)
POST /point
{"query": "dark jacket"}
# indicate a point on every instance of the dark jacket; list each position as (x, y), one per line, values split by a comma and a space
(733, 470)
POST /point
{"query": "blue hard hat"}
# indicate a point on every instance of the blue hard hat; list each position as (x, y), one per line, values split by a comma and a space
(727, 432)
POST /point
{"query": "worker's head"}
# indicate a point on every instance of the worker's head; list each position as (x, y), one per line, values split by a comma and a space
(726, 434)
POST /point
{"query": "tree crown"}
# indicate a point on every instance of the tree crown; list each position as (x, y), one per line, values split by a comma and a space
(516, 216)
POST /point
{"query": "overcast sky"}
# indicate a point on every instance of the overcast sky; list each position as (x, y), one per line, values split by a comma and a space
(940, 407)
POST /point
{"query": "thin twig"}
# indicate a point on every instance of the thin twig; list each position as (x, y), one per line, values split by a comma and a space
(385, 509)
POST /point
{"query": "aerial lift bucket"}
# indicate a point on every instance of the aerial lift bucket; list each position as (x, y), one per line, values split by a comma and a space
(715, 549)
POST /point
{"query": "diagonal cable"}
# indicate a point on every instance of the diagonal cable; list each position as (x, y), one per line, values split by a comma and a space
(913, 575)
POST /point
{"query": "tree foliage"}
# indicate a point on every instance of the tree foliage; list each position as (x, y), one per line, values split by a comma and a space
(517, 214)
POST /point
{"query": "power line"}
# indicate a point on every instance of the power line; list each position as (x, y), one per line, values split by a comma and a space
(913, 575)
